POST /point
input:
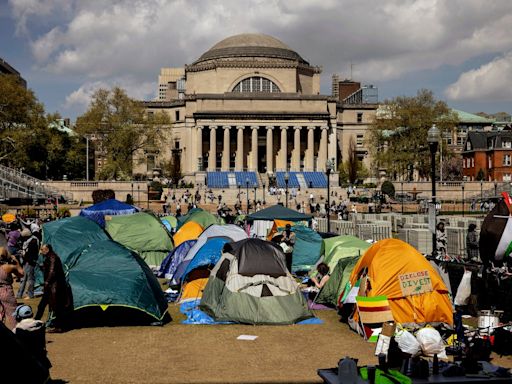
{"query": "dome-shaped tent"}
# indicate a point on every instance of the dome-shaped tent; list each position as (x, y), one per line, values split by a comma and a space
(415, 291)
(103, 274)
(251, 284)
(111, 207)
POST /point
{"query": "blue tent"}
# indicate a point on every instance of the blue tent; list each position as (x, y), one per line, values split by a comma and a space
(174, 259)
(111, 207)
(209, 254)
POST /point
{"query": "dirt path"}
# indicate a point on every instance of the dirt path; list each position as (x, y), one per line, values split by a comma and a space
(177, 353)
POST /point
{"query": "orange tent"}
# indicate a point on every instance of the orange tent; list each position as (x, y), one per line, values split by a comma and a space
(415, 291)
(190, 231)
(278, 224)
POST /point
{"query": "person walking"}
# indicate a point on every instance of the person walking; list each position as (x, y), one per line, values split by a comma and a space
(441, 239)
(56, 292)
(472, 250)
(30, 253)
(12, 238)
(9, 266)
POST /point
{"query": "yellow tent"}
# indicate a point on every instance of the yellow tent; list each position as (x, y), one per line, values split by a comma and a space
(190, 231)
(415, 291)
(278, 224)
(193, 289)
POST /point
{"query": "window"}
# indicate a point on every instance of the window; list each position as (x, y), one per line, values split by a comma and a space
(256, 84)
(359, 141)
(507, 160)
(150, 163)
(463, 163)
(507, 144)
(507, 177)
(177, 115)
(171, 85)
(460, 140)
(359, 117)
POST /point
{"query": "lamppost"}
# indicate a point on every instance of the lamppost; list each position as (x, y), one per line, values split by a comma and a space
(328, 169)
(132, 192)
(247, 193)
(254, 195)
(264, 194)
(402, 187)
(495, 188)
(148, 185)
(87, 157)
(433, 142)
(239, 196)
(462, 186)
(286, 180)
(481, 190)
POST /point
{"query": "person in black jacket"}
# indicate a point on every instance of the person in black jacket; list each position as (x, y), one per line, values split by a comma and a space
(57, 293)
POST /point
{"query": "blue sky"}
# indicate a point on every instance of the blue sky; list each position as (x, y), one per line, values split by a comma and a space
(460, 49)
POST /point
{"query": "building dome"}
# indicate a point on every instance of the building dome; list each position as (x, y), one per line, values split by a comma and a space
(250, 45)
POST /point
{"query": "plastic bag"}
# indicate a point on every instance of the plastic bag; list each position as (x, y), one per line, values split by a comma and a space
(464, 290)
(431, 342)
(407, 342)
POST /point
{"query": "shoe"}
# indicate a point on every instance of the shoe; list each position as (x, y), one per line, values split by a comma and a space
(54, 330)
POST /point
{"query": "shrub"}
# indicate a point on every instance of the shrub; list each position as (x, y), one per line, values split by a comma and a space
(388, 188)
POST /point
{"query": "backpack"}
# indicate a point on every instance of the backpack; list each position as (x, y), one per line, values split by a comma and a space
(502, 342)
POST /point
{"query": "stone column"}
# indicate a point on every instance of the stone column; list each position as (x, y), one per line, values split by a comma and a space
(212, 156)
(199, 143)
(284, 149)
(296, 149)
(254, 148)
(239, 160)
(270, 149)
(322, 152)
(225, 152)
(310, 157)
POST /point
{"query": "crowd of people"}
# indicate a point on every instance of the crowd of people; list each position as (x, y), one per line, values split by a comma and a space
(18, 262)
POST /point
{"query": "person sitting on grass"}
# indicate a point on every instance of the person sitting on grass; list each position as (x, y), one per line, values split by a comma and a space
(321, 277)
(31, 333)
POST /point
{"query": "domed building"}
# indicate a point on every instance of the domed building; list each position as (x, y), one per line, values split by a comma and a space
(250, 109)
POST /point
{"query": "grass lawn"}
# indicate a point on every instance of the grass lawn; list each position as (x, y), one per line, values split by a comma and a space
(178, 353)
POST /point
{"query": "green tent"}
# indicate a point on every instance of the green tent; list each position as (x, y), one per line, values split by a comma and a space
(251, 284)
(143, 233)
(339, 247)
(308, 247)
(278, 212)
(171, 220)
(102, 273)
(340, 276)
(341, 255)
(200, 216)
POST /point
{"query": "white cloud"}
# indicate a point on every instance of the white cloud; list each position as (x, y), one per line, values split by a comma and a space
(81, 97)
(492, 81)
(100, 41)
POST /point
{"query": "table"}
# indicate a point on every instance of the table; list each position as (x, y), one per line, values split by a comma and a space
(330, 376)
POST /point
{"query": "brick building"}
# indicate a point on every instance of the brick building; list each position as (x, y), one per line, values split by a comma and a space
(490, 152)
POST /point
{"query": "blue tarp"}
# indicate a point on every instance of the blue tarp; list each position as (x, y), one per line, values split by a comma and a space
(209, 254)
(196, 316)
(174, 258)
(111, 207)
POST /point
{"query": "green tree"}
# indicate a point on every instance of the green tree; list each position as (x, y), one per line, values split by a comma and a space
(352, 170)
(388, 188)
(123, 131)
(398, 135)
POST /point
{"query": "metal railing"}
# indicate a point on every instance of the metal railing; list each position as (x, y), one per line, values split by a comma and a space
(15, 183)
